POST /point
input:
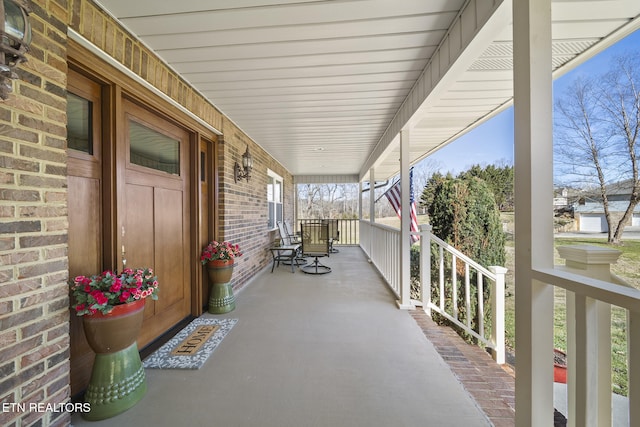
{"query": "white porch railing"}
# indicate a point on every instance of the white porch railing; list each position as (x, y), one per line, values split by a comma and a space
(592, 290)
(382, 245)
(494, 277)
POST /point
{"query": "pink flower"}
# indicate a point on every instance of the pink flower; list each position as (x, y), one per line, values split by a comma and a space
(124, 296)
(99, 297)
(100, 293)
(115, 287)
(220, 251)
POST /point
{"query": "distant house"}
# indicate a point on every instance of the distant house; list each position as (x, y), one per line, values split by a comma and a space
(589, 210)
(560, 199)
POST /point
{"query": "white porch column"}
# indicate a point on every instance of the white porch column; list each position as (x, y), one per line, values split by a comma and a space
(372, 195)
(372, 206)
(533, 210)
(405, 223)
(360, 200)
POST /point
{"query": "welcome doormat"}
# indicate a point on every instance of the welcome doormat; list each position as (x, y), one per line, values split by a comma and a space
(192, 346)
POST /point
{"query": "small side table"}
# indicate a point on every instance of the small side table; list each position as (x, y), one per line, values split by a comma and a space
(284, 253)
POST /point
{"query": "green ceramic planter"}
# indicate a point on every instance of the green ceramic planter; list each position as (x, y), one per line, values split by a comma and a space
(221, 298)
(118, 380)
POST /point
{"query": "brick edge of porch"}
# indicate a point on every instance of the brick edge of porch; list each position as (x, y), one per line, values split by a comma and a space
(492, 386)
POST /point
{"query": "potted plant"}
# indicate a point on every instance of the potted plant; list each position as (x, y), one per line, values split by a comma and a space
(219, 257)
(112, 308)
(559, 366)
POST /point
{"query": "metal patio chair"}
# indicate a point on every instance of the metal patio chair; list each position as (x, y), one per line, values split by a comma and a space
(334, 233)
(315, 243)
(289, 251)
(295, 238)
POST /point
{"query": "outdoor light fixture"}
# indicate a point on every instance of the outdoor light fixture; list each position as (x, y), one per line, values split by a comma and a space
(16, 37)
(243, 171)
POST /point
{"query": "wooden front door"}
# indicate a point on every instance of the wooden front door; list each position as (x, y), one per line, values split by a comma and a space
(153, 211)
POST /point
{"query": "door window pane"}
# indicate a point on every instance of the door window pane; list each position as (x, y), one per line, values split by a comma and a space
(153, 149)
(79, 126)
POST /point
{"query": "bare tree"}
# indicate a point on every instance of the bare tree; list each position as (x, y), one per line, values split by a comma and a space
(596, 135)
(328, 200)
(309, 196)
(334, 194)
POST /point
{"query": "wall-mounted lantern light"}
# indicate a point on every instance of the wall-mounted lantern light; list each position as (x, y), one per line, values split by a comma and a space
(15, 32)
(243, 171)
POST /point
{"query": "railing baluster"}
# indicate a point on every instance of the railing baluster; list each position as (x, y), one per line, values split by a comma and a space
(441, 278)
(467, 291)
(425, 267)
(633, 361)
(497, 314)
(480, 287)
(454, 287)
(603, 362)
(578, 371)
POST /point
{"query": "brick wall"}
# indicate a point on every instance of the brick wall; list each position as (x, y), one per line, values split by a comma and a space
(245, 218)
(34, 316)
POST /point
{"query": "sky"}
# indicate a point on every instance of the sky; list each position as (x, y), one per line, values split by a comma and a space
(496, 135)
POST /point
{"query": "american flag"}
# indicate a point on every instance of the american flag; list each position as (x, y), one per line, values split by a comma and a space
(394, 196)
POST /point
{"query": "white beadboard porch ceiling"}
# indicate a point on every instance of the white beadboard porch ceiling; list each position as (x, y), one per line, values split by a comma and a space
(316, 83)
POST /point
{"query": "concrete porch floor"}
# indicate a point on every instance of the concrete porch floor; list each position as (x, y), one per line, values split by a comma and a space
(329, 350)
